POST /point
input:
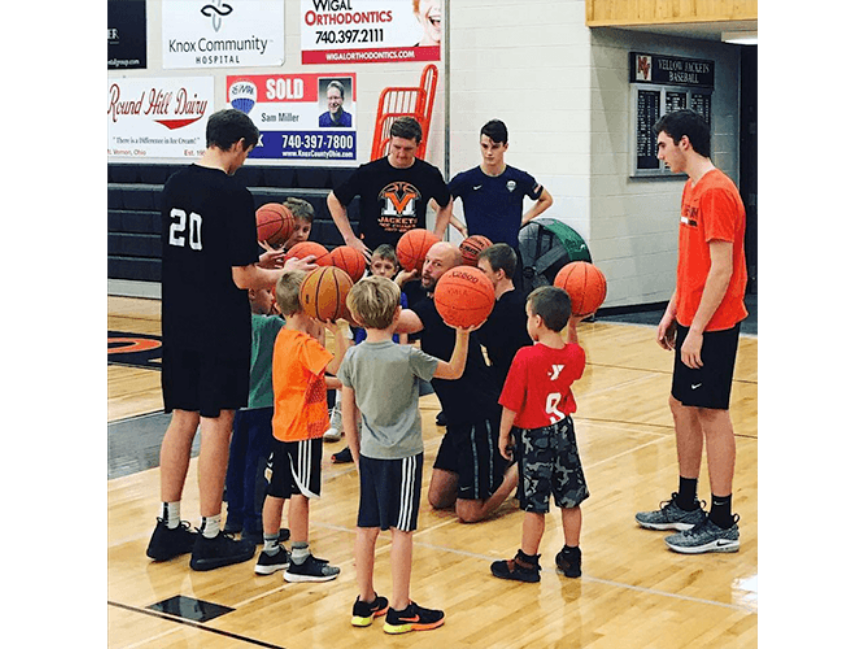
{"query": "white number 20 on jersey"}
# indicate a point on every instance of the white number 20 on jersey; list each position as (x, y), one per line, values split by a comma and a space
(183, 229)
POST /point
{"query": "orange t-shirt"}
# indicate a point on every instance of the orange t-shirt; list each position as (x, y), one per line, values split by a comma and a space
(711, 211)
(299, 391)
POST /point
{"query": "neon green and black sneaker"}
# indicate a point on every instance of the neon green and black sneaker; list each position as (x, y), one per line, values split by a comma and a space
(362, 613)
(413, 618)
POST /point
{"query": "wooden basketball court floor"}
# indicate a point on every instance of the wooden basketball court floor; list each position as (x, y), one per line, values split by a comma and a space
(633, 592)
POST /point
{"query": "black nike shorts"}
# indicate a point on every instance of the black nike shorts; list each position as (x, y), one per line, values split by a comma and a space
(708, 386)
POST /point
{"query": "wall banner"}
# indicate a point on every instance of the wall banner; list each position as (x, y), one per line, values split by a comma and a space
(370, 31)
(300, 116)
(158, 118)
(127, 34)
(222, 34)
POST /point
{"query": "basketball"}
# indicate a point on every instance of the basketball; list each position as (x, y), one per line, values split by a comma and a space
(412, 247)
(349, 259)
(472, 246)
(464, 296)
(323, 293)
(275, 224)
(585, 284)
(307, 248)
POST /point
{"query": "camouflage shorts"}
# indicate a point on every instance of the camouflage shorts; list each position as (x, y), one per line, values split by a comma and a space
(549, 463)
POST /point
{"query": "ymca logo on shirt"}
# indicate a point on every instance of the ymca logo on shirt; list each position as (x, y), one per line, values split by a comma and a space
(399, 206)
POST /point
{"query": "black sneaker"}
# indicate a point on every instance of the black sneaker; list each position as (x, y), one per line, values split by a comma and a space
(363, 613)
(167, 543)
(267, 564)
(311, 569)
(343, 457)
(569, 562)
(413, 618)
(521, 568)
(222, 550)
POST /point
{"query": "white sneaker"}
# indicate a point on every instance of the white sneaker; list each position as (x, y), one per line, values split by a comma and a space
(332, 435)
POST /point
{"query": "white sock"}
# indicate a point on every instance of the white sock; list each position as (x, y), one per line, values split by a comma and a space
(210, 526)
(170, 514)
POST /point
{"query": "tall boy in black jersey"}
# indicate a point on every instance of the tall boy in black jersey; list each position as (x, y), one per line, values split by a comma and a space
(468, 472)
(394, 192)
(209, 260)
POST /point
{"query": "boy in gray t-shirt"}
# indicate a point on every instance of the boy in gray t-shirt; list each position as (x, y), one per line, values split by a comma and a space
(382, 378)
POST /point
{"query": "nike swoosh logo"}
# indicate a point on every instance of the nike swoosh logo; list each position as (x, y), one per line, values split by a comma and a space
(404, 620)
(477, 188)
(721, 542)
(694, 386)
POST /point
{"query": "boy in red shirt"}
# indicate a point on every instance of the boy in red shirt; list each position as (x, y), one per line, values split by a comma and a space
(538, 402)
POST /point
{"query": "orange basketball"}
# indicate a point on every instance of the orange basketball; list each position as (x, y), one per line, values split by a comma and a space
(349, 259)
(307, 248)
(323, 293)
(464, 296)
(585, 284)
(472, 246)
(275, 224)
(412, 247)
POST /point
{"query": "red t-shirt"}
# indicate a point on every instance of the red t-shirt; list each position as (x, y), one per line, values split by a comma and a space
(538, 387)
(711, 211)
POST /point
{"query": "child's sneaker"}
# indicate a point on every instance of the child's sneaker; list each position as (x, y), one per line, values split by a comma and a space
(521, 568)
(167, 543)
(706, 537)
(569, 562)
(311, 569)
(343, 457)
(267, 564)
(221, 550)
(671, 517)
(332, 434)
(363, 613)
(413, 618)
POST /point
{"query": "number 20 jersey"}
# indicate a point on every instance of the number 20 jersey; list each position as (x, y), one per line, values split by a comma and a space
(208, 226)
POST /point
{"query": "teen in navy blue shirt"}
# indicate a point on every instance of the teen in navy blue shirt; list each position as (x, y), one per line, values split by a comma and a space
(493, 192)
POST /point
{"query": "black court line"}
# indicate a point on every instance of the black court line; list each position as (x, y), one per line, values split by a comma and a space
(196, 625)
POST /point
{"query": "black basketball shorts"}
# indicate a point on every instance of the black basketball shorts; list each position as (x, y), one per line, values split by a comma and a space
(294, 468)
(390, 492)
(472, 452)
(203, 383)
(708, 386)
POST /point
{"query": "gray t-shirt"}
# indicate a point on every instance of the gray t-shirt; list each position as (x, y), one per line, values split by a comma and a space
(386, 379)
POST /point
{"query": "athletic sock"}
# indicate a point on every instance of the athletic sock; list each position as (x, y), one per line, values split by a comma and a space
(299, 552)
(687, 496)
(170, 514)
(721, 512)
(210, 526)
(271, 544)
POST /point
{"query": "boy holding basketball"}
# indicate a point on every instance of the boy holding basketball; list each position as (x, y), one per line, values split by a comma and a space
(537, 400)
(299, 421)
(382, 379)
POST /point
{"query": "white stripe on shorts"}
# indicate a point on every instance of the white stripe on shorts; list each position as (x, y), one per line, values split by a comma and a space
(303, 472)
(409, 467)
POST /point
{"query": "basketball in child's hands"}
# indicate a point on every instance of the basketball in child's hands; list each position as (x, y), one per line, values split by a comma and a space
(275, 224)
(349, 259)
(585, 284)
(464, 296)
(307, 248)
(412, 247)
(323, 293)
(472, 246)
